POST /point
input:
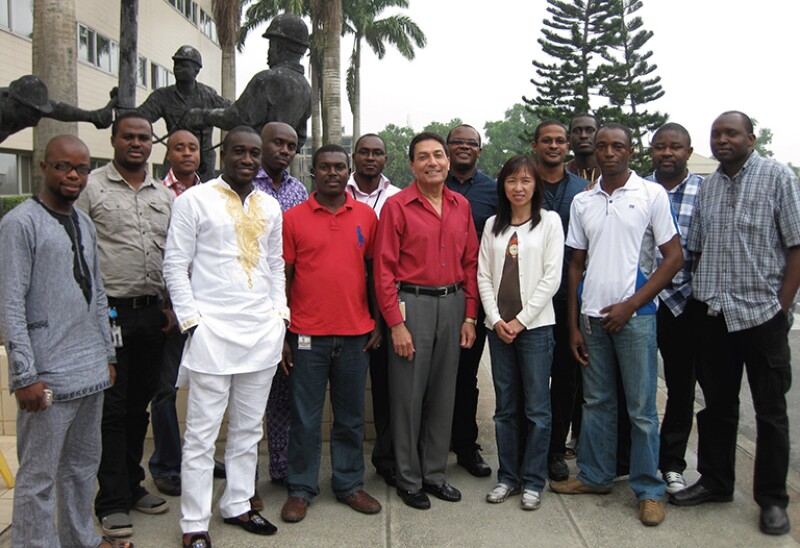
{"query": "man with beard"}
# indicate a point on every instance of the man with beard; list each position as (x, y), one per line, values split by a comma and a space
(328, 245)
(131, 213)
(582, 129)
(227, 234)
(464, 144)
(550, 147)
(671, 148)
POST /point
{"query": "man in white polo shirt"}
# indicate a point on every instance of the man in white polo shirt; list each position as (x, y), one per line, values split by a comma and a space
(617, 318)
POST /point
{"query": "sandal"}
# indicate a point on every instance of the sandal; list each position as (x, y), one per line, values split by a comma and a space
(197, 540)
(115, 543)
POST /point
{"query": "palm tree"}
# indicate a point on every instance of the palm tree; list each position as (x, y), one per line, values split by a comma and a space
(361, 19)
(228, 16)
(326, 22)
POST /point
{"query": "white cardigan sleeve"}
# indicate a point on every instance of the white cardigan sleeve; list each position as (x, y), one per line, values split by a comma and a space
(486, 275)
(552, 263)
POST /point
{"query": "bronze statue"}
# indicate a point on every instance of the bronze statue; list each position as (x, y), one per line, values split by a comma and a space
(24, 102)
(173, 102)
(280, 94)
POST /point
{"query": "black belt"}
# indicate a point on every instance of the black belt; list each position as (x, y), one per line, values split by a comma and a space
(135, 302)
(440, 291)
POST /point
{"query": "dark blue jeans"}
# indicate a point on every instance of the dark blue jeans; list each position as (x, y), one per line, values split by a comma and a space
(342, 361)
(521, 374)
(166, 458)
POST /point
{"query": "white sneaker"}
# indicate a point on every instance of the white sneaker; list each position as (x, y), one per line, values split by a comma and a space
(531, 500)
(674, 481)
(500, 493)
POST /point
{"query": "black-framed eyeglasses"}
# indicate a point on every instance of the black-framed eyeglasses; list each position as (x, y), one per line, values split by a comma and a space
(66, 167)
(462, 142)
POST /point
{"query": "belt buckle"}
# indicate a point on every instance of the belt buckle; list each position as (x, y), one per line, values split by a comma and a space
(139, 302)
(446, 290)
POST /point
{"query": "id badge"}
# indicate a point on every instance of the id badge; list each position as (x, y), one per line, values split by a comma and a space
(116, 336)
(587, 325)
(304, 342)
(402, 306)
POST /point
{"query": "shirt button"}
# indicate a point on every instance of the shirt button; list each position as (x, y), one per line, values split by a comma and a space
(442, 265)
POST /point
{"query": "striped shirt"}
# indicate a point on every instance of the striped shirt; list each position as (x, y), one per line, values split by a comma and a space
(683, 197)
(744, 226)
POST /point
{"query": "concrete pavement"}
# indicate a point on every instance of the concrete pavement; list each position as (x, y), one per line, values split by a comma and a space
(564, 521)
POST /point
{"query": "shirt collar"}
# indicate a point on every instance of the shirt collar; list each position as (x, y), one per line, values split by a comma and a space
(170, 181)
(415, 194)
(752, 159)
(316, 206)
(114, 175)
(677, 187)
(634, 182)
(382, 185)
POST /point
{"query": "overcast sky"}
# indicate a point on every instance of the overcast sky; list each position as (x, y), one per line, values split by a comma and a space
(712, 56)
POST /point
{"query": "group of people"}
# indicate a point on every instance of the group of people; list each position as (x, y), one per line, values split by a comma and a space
(115, 288)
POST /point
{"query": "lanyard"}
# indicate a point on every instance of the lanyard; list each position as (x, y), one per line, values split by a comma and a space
(377, 198)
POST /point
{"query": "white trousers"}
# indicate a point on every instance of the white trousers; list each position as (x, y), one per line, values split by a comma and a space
(245, 397)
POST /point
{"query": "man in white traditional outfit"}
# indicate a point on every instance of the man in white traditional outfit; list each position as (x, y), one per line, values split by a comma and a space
(225, 274)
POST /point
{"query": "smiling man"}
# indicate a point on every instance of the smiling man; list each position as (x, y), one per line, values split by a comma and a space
(233, 305)
(328, 245)
(746, 237)
(617, 319)
(131, 213)
(426, 281)
(464, 144)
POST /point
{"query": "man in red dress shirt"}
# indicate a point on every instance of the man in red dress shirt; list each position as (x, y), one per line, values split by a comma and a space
(426, 282)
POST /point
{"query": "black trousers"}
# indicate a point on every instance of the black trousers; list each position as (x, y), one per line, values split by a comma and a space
(764, 352)
(383, 451)
(564, 379)
(677, 342)
(125, 415)
(464, 436)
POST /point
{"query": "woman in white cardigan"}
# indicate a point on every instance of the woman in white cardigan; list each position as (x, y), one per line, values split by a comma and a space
(519, 271)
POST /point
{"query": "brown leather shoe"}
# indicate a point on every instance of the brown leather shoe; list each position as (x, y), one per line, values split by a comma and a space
(294, 509)
(575, 486)
(256, 502)
(651, 512)
(361, 501)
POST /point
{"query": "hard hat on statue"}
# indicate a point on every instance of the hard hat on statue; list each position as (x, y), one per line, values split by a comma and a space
(188, 53)
(31, 91)
(289, 27)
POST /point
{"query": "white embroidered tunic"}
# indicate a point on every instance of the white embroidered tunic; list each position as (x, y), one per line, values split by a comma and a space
(225, 274)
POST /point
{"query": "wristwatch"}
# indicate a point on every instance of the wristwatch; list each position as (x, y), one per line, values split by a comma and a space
(473, 321)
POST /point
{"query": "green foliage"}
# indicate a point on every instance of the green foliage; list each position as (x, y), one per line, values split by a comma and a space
(443, 129)
(7, 203)
(397, 139)
(507, 137)
(763, 140)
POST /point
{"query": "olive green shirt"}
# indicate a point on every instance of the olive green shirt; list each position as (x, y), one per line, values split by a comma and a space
(131, 231)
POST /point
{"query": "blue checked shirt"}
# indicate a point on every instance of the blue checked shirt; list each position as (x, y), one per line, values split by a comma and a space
(744, 227)
(676, 294)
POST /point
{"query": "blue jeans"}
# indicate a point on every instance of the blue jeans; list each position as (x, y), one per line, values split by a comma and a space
(634, 349)
(521, 374)
(341, 360)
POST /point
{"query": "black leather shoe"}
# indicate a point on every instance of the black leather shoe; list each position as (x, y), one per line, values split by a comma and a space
(697, 494)
(170, 485)
(389, 476)
(415, 499)
(444, 491)
(774, 521)
(219, 469)
(557, 469)
(256, 524)
(474, 463)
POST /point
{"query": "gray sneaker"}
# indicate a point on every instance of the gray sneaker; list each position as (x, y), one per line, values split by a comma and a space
(150, 504)
(674, 481)
(501, 492)
(116, 525)
(531, 500)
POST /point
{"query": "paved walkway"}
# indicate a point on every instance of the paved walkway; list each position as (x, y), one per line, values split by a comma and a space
(563, 521)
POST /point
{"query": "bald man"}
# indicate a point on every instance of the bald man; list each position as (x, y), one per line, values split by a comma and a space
(54, 320)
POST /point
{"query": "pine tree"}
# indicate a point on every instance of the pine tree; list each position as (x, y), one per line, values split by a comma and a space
(574, 36)
(629, 81)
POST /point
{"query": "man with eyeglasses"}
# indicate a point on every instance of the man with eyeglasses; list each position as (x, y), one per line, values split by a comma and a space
(131, 212)
(550, 146)
(464, 144)
(370, 186)
(54, 320)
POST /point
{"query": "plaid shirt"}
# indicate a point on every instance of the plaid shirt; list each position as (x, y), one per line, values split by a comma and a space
(172, 183)
(289, 194)
(743, 226)
(676, 294)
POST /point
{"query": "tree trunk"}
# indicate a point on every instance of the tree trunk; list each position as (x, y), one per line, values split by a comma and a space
(316, 114)
(357, 93)
(330, 22)
(128, 53)
(229, 71)
(55, 62)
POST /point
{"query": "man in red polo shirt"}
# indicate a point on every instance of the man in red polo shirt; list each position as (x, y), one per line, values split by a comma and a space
(426, 263)
(327, 244)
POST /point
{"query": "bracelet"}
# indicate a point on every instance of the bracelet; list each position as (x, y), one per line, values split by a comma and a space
(473, 321)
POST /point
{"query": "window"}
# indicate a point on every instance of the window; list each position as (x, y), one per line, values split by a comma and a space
(17, 15)
(15, 173)
(141, 77)
(97, 50)
(160, 77)
(207, 26)
(187, 8)
(4, 14)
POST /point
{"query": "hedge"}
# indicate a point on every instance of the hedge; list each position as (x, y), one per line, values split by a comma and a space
(8, 202)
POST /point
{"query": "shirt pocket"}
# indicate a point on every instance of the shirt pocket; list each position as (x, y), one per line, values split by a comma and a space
(157, 214)
(116, 213)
